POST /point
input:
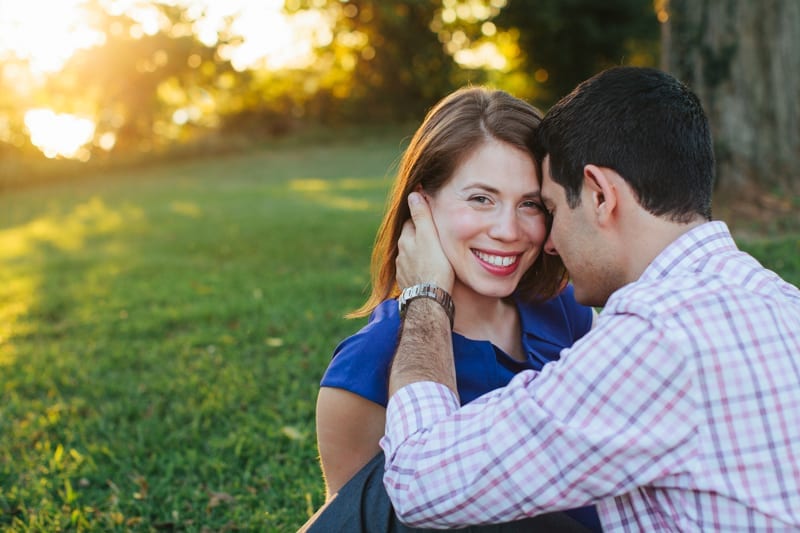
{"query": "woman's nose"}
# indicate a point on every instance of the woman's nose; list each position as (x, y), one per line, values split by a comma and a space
(505, 227)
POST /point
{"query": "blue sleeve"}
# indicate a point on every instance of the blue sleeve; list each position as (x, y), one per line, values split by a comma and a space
(361, 362)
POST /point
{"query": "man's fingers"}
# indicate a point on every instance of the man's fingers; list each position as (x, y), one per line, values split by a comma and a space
(420, 256)
(407, 234)
(420, 211)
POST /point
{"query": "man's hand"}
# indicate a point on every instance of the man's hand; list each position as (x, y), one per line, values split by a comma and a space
(420, 258)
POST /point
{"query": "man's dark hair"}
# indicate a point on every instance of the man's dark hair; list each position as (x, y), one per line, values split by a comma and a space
(645, 125)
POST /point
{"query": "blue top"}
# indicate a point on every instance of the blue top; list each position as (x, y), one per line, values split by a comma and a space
(361, 362)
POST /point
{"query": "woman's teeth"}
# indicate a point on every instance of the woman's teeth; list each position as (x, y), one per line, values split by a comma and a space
(497, 260)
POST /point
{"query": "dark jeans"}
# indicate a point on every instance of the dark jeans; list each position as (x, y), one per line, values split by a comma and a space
(362, 505)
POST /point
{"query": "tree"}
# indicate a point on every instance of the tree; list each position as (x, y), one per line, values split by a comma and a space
(384, 61)
(742, 58)
(134, 82)
(566, 41)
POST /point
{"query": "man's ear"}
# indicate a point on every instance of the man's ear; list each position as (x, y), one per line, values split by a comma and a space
(600, 185)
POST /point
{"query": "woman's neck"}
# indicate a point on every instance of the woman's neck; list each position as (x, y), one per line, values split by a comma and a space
(490, 318)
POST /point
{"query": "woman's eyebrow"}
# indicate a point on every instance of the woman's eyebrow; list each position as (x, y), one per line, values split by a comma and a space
(483, 186)
(494, 190)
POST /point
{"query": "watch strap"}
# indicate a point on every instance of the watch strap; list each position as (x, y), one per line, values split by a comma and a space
(427, 290)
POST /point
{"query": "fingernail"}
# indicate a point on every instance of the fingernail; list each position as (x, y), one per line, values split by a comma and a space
(413, 198)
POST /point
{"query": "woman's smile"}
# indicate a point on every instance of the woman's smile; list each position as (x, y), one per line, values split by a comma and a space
(498, 264)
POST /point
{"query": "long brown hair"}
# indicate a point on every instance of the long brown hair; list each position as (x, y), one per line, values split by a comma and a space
(453, 129)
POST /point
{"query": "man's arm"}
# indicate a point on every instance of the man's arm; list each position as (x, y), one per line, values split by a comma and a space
(425, 350)
(614, 413)
(585, 428)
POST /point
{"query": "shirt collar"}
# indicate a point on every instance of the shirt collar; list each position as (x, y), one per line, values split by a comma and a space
(698, 243)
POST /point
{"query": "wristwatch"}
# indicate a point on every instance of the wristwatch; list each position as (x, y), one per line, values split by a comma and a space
(427, 290)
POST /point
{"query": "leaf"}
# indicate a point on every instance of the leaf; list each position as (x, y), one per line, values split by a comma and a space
(292, 433)
(59, 453)
(215, 498)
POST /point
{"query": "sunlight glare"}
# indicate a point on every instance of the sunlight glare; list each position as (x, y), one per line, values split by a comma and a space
(59, 134)
(287, 43)
(485, 55)
(332, 194)
(270, 39)
(44, 32)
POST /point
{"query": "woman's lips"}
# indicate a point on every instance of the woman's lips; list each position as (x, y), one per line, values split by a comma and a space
(498, 264)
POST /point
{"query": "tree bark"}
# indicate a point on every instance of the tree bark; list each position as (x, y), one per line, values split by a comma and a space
(742, 58)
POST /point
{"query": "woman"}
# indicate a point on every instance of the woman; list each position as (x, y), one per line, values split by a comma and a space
(514, 311)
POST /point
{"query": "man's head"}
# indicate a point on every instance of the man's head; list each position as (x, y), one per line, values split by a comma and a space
(627, 166)
(645, 125)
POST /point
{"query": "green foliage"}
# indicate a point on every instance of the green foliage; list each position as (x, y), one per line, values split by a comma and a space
(572, 40)
(163, 333)
(780, 254)
(385, 59)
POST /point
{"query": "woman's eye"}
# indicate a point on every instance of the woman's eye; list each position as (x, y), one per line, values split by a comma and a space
(479, 199)
(534, 206)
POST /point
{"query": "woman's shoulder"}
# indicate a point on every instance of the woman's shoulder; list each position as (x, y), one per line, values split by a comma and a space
(381, 327)
(360, 363)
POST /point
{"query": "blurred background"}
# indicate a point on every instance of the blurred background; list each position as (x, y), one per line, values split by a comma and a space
(117, 81)
(104, 79)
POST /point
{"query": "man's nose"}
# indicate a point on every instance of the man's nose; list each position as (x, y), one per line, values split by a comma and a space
(549, 247)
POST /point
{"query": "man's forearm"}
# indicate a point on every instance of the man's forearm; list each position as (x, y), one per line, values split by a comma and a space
(425, 349)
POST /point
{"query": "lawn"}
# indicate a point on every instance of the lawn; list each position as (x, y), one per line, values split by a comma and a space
(163, 332)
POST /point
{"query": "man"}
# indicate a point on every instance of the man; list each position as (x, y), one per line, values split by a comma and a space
(679, 411)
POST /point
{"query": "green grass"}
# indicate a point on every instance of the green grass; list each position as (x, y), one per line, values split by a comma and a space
(163, 332)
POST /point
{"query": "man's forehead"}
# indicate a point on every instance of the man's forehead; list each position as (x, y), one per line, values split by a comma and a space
(547, 179)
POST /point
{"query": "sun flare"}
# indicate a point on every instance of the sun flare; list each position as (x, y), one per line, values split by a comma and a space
(45, 33)
(59, 134)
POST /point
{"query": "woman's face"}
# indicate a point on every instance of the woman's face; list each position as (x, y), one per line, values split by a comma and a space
(490, 218)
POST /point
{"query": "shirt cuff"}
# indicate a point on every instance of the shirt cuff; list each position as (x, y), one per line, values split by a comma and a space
(413, 408)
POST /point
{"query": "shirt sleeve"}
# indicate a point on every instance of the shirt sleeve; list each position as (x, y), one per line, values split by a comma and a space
(360, 363)
(616, 412)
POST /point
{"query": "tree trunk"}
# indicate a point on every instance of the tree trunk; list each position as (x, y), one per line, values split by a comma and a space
(742, 58)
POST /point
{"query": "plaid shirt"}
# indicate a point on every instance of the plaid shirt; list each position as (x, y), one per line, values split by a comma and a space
(679, 411)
